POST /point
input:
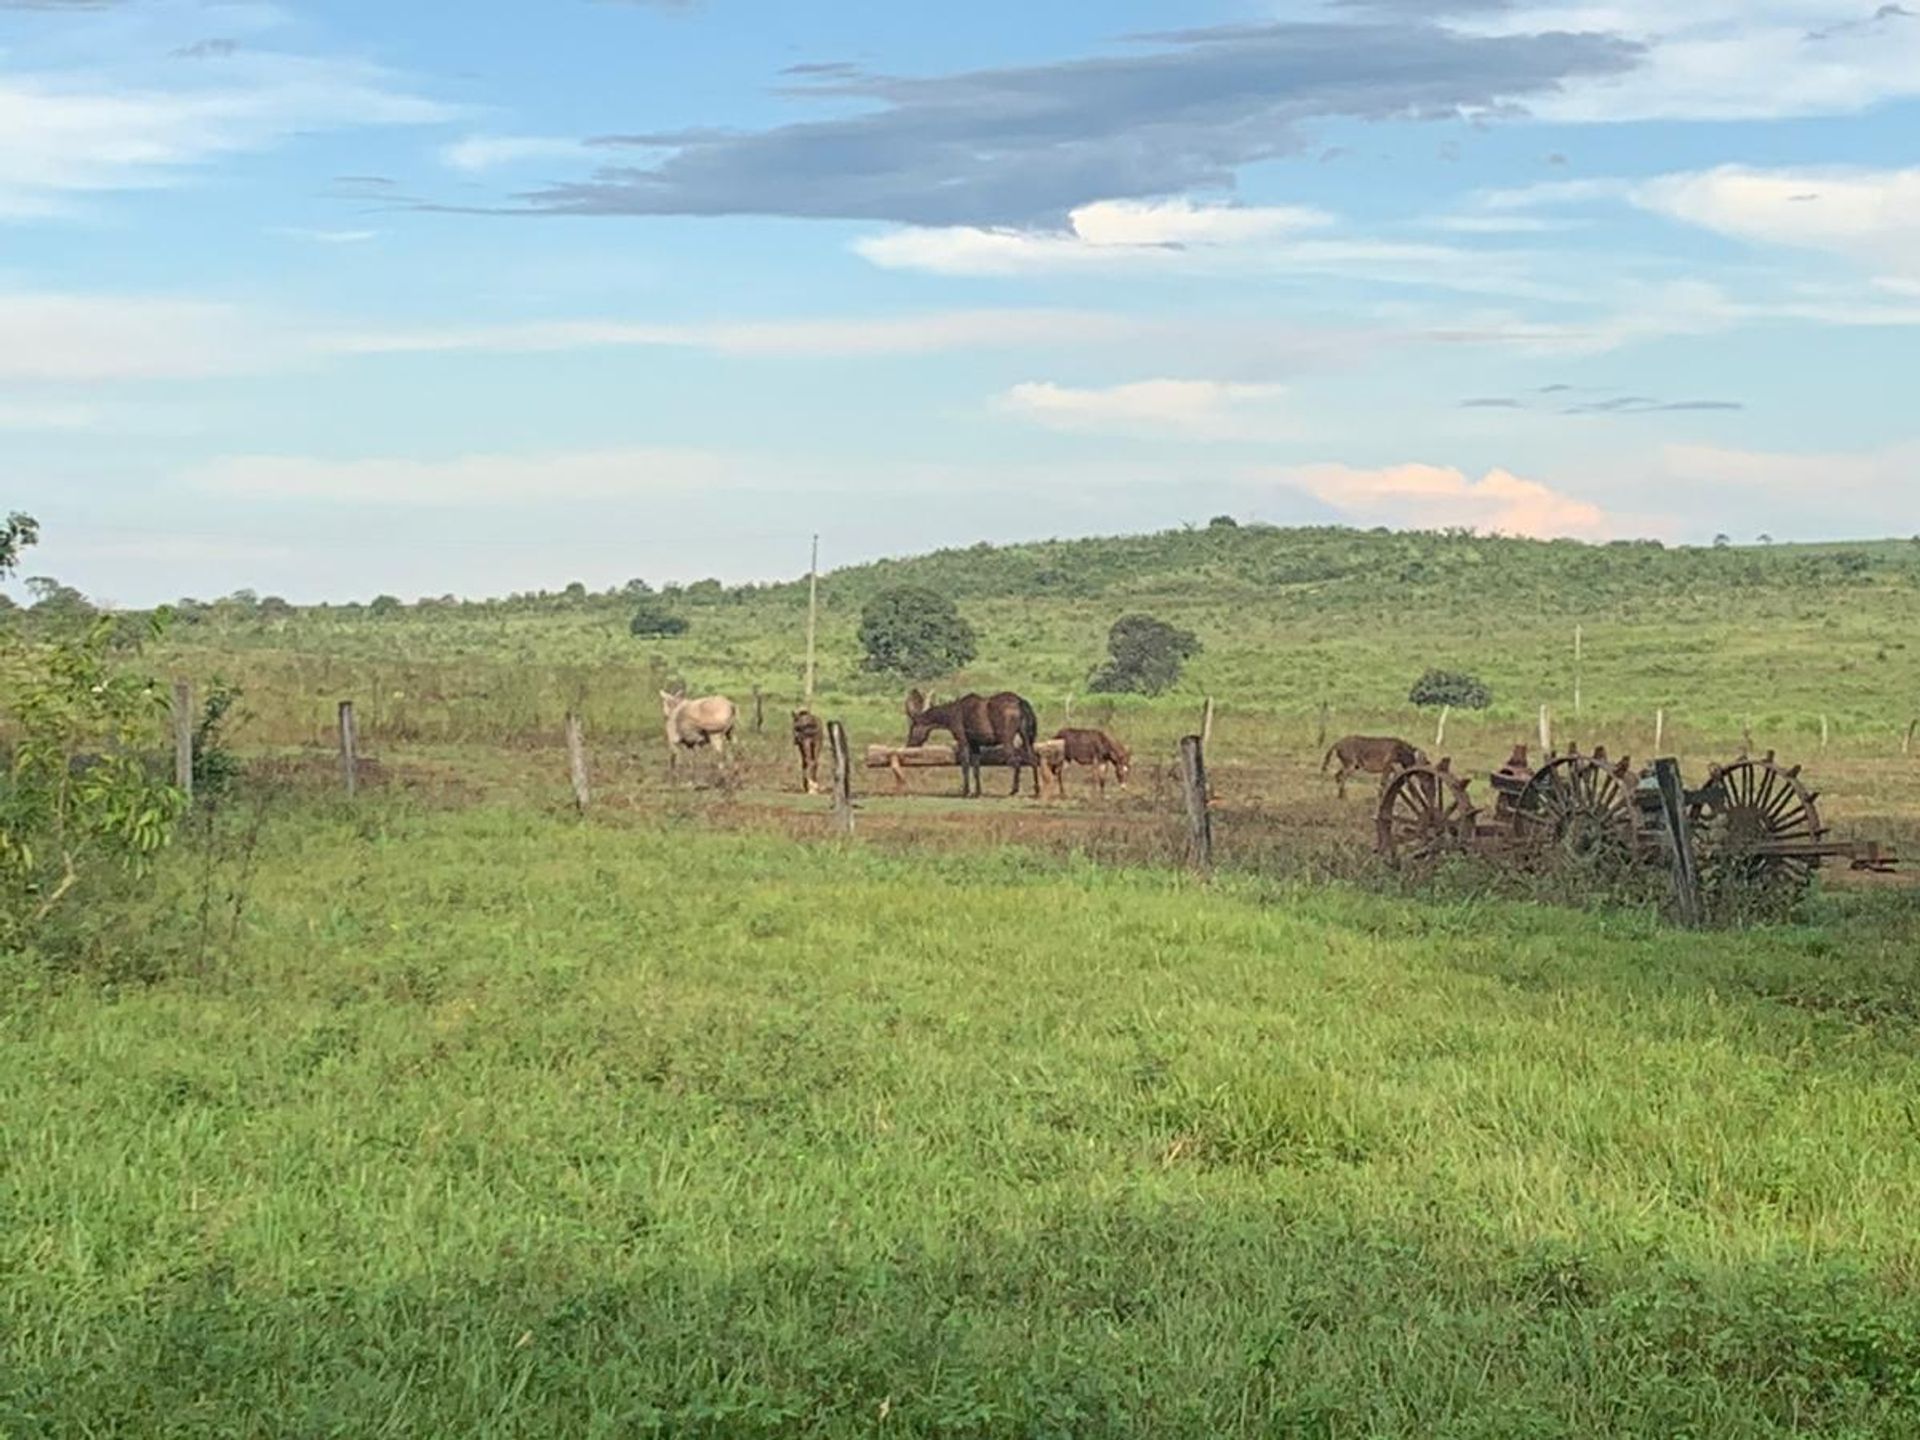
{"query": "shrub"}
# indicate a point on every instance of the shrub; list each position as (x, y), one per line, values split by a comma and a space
(654, 618)
(1146, 656)
(384, 605)
(78, 803)
(915, 633)
(1451, 687)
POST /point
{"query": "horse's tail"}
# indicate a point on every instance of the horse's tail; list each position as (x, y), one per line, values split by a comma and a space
(1029, 726)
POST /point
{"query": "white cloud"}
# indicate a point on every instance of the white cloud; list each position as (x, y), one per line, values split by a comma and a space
(54, 337)
(1868, 216)
(1103, 235)
(1434, 496)
(831, 337)
(1883, 474)
(69, 133)
(478, 153)
(466, 479)
(53, 415)
(1727, 59)
(326, 237)
(1186, 409)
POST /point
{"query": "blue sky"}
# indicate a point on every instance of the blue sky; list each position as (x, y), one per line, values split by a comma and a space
(326, 299)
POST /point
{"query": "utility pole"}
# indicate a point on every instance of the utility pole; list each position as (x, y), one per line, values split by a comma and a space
(813, 614)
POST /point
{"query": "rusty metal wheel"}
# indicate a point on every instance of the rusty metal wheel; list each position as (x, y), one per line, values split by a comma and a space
(1579, 809)
(1750, 820)
(1425, 814)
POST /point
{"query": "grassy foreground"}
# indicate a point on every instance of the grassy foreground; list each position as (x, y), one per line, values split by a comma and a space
(498, 1124)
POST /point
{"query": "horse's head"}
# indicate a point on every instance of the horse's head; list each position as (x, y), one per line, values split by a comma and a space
(916, 702)
(1122, 763)
(670, 701)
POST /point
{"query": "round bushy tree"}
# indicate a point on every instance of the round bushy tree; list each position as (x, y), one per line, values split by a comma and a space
(1146, 656)
(655, 617)
(1451, 687)
(915, 633)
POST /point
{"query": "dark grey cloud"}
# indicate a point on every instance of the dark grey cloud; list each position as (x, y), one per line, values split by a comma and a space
(824, 70)
(1555, 399)
(1024, 145)
(214, 49)
(1885, 15)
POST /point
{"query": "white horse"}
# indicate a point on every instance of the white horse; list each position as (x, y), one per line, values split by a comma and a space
(693, 723)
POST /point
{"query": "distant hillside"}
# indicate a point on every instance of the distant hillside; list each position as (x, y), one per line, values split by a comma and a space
(1343, 569)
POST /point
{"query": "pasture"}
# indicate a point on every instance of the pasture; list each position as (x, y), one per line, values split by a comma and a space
(497, 1123)
(447, 1110)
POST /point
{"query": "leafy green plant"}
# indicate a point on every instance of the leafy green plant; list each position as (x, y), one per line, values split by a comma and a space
(215, 766)
(1147, 655)
(78, 801)
(916, 633)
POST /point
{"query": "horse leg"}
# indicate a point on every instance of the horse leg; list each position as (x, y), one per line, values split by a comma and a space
(1340, 780)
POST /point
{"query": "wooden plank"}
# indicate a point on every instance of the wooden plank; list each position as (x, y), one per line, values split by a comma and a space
(842, 777)
(349, 749)
(577, 763)
(1193, 783)
(915, 757)
(1673, 817)
(183, 737)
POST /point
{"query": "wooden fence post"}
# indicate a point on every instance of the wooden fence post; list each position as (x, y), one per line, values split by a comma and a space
(1546, 731)
(1826, 734)
(759, 711)
(1440, 735)
(349, 750)
(1206, 723)
(1069, 719)
(1193, 780)
(842, 777)
(1906, 745)
(1673, 815)
(1326, 714)
(577, 763)
(1659, 730)
(183, 737)
(1746, 738)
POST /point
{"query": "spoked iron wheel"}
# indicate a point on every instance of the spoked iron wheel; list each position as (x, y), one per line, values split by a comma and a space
(1425, 814)
(1579, 809)
(1747, 822)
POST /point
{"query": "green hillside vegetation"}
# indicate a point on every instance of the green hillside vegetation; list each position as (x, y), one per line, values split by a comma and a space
(1286, 619)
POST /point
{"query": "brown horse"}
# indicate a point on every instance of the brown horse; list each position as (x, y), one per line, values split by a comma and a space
(1004, 720)
(806, 739)
(1095, 748)
(1370, 755)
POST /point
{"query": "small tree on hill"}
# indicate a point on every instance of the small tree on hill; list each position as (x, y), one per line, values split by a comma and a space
(1451, 687)
(384, 605)
(1146, 656)
(654, 617)
(915, 633)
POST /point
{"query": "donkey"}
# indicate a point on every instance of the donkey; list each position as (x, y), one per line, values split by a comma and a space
(693, 723)
(1370, 755)
(1004, 720)
(806, 739)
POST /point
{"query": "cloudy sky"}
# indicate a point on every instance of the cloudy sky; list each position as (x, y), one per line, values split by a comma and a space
(338, 296)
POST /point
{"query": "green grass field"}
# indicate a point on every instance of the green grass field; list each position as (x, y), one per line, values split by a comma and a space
(502, 1124)
(447, 1112)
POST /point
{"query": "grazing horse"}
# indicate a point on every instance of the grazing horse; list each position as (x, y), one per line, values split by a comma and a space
(1370, 755)
(806, 739)
(1088, 747)
(693, 723)
(1004, 720)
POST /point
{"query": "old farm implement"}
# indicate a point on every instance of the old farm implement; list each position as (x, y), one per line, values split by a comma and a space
(1754, 825)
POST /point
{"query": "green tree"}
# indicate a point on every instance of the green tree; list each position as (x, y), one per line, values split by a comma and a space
(384, 605)
(655, 617)
(1146, 656)
(17, 534)
(915, 633)
(1450, 687)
